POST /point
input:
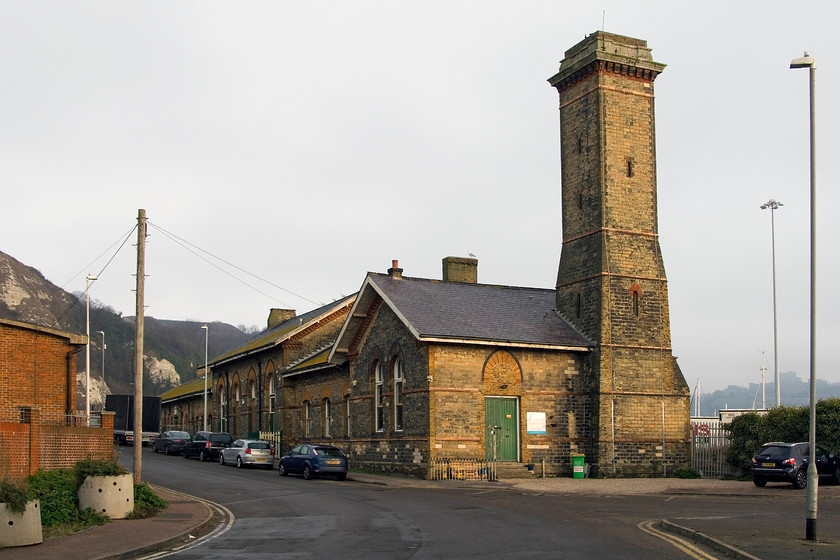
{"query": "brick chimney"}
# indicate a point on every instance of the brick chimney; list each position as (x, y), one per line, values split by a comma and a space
(277, 316)
(395, 271)
(460, 269)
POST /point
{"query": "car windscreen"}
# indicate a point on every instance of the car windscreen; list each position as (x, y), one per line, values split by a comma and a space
(774, 451)
(259, 445)
(329, 452)
(183, 435)
(220, 438)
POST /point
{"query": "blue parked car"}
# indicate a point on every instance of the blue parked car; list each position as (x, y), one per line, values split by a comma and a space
(313, 460)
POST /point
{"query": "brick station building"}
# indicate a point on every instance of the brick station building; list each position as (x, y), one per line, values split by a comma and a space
(425, 369)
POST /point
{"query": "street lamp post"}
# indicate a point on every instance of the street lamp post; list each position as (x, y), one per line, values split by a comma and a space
(88, 279)
(807, 61)
(103, 355)
(206, 336)
(773, 205)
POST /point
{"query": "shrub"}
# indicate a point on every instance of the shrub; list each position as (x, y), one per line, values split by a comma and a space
(96, 467)
(790, 424)
(14, 495)
(60, 513)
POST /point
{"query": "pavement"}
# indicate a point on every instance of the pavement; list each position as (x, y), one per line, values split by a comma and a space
(188, 519)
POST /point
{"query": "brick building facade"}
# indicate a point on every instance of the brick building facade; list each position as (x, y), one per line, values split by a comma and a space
(411, 370)
(246, 393)
(40, 427)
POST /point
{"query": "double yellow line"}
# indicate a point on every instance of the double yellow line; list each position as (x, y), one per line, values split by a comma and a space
(682, 544)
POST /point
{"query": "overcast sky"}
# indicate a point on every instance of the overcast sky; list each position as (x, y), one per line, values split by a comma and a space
(309, 143)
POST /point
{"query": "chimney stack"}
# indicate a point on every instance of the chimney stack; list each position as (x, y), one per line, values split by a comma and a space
(460, 269)
(395, 271)
(277, 316)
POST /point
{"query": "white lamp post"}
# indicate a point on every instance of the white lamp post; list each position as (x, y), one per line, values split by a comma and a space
(773, 205)
(88, 279)
(206, 336)
(807, 61)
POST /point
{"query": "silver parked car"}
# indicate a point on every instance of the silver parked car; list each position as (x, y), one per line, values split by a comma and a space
(250, 452)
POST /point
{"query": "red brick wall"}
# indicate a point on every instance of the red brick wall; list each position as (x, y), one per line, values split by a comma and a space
(34, 374)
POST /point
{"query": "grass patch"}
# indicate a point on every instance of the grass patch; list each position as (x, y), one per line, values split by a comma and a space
(146, 502)
(687, 473)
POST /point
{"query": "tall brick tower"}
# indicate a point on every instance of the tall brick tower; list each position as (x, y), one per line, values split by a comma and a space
(611, 282)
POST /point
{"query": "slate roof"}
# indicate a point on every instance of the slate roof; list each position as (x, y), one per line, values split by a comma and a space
(467, 312)
(278, 333)
(190, 388)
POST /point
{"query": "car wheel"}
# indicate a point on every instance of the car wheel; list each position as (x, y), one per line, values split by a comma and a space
(801, 480)
(166, 450)
(307, 472)
(239, 462)
(281, 470)
(221, 458)
(202, 456)
(186, 455)
(342, 476)
(760, 482)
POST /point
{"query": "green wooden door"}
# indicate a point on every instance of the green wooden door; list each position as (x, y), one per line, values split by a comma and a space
(501, 429)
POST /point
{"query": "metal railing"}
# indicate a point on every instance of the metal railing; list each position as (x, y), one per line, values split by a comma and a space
(276, 440)
(708, 451)
(462, 469)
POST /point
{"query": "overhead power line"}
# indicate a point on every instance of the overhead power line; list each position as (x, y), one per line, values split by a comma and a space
(187, 245)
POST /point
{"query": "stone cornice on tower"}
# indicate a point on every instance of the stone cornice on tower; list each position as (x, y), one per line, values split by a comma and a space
(609, 53)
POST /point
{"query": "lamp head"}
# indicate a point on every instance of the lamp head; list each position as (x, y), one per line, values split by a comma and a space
(806, 61)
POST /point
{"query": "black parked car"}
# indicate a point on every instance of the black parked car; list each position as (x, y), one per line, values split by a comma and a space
(206, 445)
(788, 462)
(171, 442)
(313, 460)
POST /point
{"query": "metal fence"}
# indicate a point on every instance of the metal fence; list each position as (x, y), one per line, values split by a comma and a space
(276, 440)
(462, 469)
(708, 451)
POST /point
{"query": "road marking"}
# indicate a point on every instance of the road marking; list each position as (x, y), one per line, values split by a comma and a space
(682, 544)
(217, 532)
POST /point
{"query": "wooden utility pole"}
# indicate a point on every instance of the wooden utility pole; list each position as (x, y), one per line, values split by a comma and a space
(138, 345)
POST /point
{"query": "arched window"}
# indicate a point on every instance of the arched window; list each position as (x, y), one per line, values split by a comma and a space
(636, 293)
(307, 419)
(346, 415)
(327, 417)
(380, 385)
(272, 401)
(398, 387)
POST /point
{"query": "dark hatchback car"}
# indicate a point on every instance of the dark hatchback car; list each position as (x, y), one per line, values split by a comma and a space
(206, 445)
(171, 442)
(788, 462)
(312, 460)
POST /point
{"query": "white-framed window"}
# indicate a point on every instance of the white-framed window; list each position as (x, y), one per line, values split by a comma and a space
(307, 419)
(327, 417)
(398, 387)
(347, 416)
(272, 401)
(380, 386)
(253, 390)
